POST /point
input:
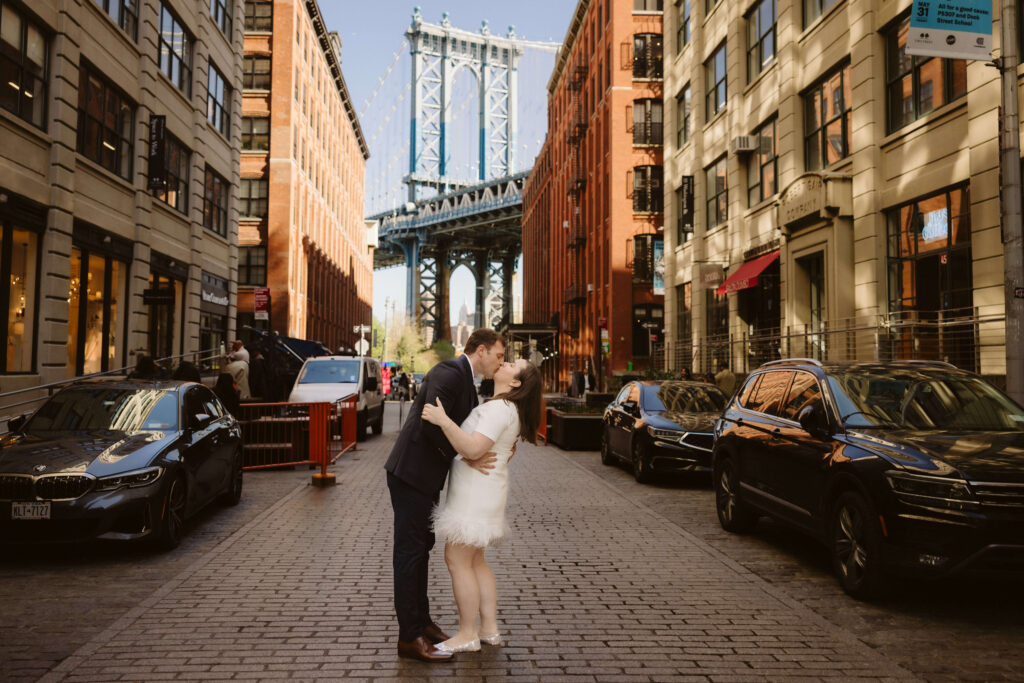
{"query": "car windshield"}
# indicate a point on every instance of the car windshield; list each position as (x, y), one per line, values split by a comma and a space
(328, 371)
(923, 400)
(106, 408)
(683, 398)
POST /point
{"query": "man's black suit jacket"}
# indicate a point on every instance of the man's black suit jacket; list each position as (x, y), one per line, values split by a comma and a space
(422, 455)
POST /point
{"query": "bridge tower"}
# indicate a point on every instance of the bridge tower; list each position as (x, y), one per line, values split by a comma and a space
(438, 52)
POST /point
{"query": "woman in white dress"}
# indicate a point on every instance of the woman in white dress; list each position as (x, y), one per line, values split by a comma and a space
(473, 514)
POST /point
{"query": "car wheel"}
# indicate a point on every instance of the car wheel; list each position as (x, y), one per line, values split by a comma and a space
(233, 493)
(378, 424)
(171, 528)
(361, 426)
(733, 515)
(856, 546)
(606, 452)
(641, 466)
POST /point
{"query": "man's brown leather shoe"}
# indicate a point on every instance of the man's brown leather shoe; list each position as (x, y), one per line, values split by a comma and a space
(434, 634)
(423, 650)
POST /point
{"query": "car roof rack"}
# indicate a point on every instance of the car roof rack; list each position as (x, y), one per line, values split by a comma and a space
(787, 361)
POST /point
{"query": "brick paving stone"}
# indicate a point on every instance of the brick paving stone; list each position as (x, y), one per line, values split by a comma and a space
(593, 586)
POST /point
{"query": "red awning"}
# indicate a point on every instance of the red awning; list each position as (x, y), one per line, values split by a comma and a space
(746, 275)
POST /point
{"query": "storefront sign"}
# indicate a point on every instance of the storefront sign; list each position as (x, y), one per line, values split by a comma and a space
(711, 275)
(213, 293)
(602, 322)
(157, 296)
(211, 298)
(804, 198)
(954, 29)
(261, 303)
(157, 145)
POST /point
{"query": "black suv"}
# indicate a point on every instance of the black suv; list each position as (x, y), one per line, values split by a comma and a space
(902, 465)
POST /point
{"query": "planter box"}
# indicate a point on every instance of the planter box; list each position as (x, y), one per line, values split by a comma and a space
(574, 431)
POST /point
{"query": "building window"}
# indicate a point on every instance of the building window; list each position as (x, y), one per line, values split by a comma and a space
(175, 50)
(683, 30)
(221, 12)
(19, 259)
(176, 159)
(916, 85)
(683, 110)
(647, 56)
(717, 192)
(166, 319)
(259, 16)
(125, 14)
(710, 5)
(827, 107)
(647, 122)
(215, 203)
(23, 50)
(647, 5)
(256, 73)
(684, 223)
(252, 266)
(684, 318)
(218, 101)
(716, 337)
(96, 311)
(256, 133)
(814, 9)
(762, 173)
(714, 81)
(647, 196)
(252, 198)
(930, 276)
(760, 38)
(105, 118)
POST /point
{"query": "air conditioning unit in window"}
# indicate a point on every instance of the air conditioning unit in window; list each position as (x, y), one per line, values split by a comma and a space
(742, 144)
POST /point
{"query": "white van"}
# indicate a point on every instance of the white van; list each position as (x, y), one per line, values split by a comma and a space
(330, 378)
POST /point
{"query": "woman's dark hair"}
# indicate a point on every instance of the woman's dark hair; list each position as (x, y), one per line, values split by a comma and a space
(188, 372)
(526, 398)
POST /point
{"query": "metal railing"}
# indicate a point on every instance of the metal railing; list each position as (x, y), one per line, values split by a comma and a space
(284, 434)
(964, 338)
(20, 401)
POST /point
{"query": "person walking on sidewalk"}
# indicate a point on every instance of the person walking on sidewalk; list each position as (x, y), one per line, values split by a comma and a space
(473, 515)
(416, 471)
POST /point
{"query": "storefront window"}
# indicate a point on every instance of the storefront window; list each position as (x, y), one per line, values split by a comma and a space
(213, 332)
(19, 255)
(648, 322)
(165, 315)
(96, 312)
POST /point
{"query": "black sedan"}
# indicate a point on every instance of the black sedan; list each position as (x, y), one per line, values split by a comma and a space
(662, 427)
(118, 460)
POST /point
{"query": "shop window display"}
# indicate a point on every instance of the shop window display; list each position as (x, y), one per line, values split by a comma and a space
(19, 254)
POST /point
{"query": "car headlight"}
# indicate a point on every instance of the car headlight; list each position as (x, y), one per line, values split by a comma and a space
(129, 479)
(935, 492)
(664, 434)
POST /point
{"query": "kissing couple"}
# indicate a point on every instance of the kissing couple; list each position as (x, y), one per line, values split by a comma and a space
(449, 434)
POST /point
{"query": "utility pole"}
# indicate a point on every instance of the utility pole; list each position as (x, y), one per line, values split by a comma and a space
(1013, 236)
(384, 343)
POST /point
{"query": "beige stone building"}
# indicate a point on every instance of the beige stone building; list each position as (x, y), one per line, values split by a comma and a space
(98, 267)
(845, 199)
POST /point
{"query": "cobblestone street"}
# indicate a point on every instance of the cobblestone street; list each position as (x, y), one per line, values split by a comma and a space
(602, 580)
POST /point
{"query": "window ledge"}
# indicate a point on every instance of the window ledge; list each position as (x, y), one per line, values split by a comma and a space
(648, 12)
(258, 91)
(648, 145)
(648, 213)
(648, 79)
(718, 115)
(708, 15)
(760, 206)
(161, 205)
(246, 32)
(764, 72)
(817, 22)
(177, 91)
(125, 38)
(934, 116)
(26, 127)
(105, 172)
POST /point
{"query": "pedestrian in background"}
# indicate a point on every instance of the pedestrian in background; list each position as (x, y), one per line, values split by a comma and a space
(187, 372)
(725, 380)
(684, 374)
(238, 366)
(227, 392)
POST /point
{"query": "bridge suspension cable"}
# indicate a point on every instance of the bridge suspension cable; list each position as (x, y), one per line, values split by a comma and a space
(387, 117)
(394, 60)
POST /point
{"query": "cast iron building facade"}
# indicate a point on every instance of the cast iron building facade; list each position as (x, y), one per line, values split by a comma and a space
(595, 195)
(301, 230)
(846, 201)
(99, 268)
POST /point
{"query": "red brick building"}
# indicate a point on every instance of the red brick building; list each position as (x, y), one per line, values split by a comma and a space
(592, 208)
(301, 229)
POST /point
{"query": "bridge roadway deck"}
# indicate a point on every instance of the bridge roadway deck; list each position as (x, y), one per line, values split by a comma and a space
(600, 581)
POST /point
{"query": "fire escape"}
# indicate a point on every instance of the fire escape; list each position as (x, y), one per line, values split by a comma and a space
(576, 292)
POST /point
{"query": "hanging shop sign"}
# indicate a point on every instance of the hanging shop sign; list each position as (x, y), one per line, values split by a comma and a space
(711, 275)
(157, 145)
(659, 267)
(686, 204)
(954, 29)
(261, 303)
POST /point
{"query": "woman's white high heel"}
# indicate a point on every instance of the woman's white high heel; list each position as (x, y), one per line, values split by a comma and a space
(491, 640)
(471, 646)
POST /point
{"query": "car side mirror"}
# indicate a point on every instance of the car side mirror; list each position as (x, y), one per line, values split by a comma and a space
(16, 423)
(371, 384)
(813, 421)
(200, 420)
(629, 407)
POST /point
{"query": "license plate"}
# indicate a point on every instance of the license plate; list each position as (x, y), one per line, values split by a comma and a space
(30, 510)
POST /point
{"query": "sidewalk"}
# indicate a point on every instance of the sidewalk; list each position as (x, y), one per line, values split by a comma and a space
(592, 586)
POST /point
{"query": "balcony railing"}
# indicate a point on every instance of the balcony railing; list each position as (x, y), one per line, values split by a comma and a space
(648, 133)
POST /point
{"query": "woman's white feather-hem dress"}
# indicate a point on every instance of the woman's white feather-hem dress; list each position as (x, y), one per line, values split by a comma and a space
(473, 512)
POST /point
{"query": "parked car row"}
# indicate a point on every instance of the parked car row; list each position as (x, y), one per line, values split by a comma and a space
(901, 467)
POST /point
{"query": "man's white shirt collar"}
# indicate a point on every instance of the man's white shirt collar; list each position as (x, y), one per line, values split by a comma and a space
(472, 370)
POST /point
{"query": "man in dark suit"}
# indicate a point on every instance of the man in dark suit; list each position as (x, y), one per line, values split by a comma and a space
(417, 468)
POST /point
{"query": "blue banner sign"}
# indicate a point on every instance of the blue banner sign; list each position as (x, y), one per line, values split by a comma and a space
(954, 29)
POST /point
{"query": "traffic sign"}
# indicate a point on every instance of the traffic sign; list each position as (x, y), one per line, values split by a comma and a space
(362, 347)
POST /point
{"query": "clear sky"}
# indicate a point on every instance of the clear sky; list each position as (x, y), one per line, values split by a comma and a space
(372, 32)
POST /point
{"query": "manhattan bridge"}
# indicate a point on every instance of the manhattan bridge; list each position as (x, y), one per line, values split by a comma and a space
(459, 200)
